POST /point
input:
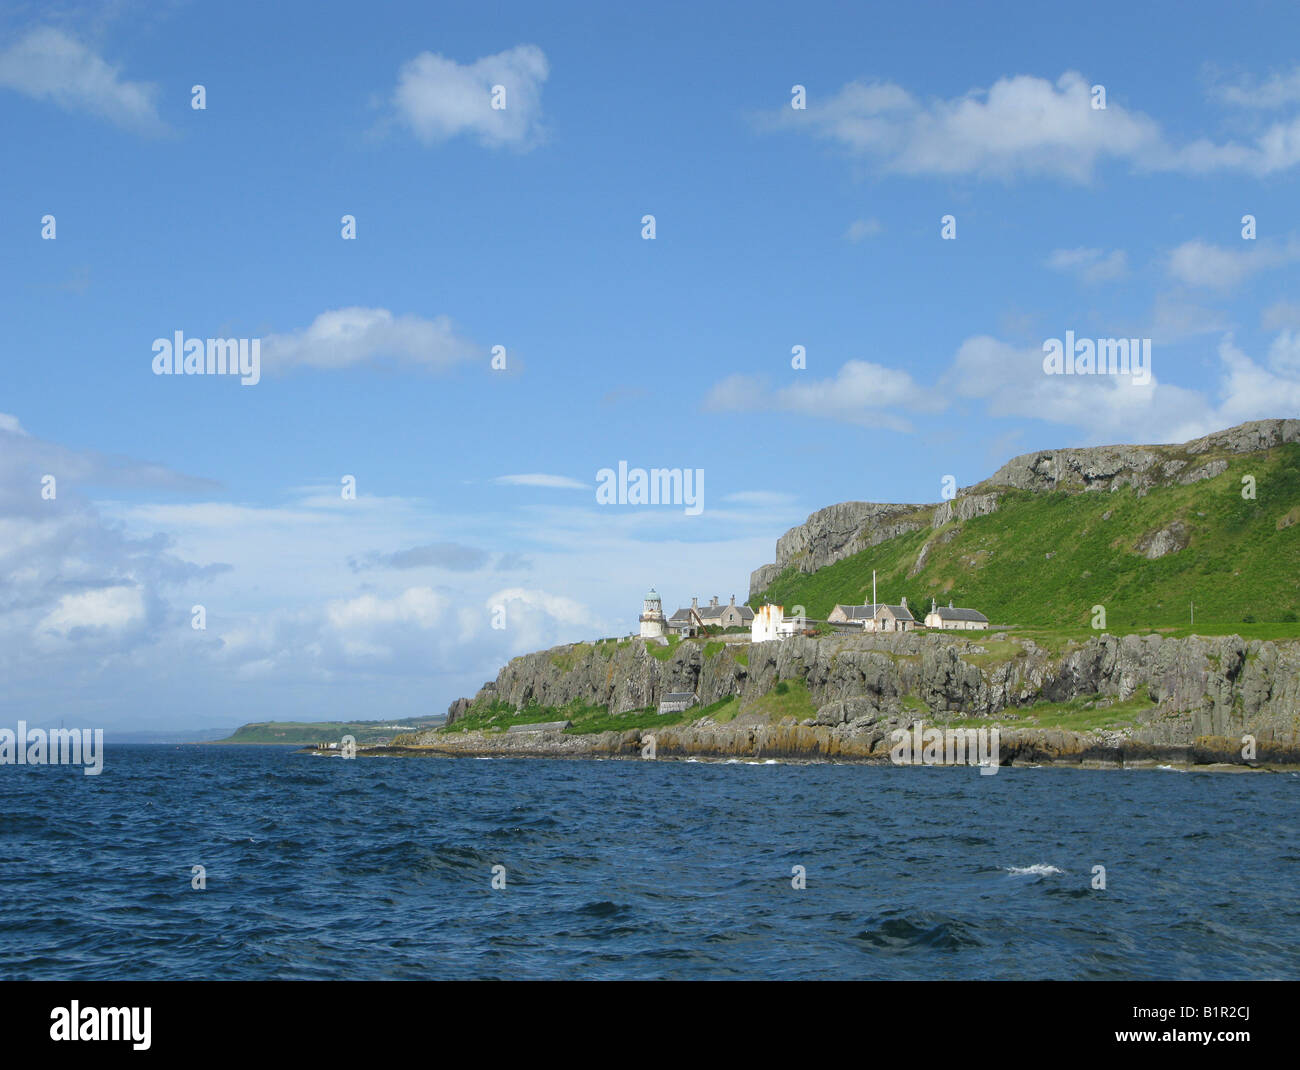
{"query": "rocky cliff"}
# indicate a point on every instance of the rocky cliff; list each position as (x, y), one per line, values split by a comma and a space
(840, 531)
(1184, 689)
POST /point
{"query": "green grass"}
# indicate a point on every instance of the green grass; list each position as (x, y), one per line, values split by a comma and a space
(996, 650)
(598, 719)
(789, 698)
(1080, 714)
(711, 650)
(1239, 562)
(722, 711)
(303, 733)
(497, 716)
(567, 660)
(585, 719)
(663, 653)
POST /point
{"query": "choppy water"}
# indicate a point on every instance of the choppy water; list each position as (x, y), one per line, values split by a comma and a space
(382, 868)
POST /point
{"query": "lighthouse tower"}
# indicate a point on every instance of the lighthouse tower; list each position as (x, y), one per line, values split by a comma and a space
(652, 616)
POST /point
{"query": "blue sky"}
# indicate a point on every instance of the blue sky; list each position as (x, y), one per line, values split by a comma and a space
(522, 227)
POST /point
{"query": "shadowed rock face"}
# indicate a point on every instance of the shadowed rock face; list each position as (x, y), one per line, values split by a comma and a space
(842, 742)
(1141, 467)
(834, 533)
(1222, 687)
(840, 531)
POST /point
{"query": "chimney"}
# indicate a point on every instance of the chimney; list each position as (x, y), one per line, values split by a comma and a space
(904, 601)
(695, 603)
(733, 599)
(713, 601)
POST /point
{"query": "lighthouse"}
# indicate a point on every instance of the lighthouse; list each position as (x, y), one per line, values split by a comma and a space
(652, 616)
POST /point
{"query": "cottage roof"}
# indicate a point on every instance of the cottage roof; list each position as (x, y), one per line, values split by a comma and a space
(948, 613)
(870, 611)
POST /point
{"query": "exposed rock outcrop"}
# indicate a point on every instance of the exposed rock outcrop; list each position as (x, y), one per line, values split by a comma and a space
(837, 532)
(1142, 467)
(840, 531)
(1167, 540)
(1225, 686)
(964, 508)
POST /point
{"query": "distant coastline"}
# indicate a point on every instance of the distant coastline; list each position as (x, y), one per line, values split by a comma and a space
(307, 733)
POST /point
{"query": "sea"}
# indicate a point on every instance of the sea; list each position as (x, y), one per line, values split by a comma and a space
(330, 868)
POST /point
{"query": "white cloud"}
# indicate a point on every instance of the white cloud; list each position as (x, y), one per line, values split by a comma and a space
(1277, 91)
(1022, 126)
(1281, 314)
(541, 479)
(1250, 391)
(1011, 383)
(95, 600)
(1090, 265)
(1220, 267)
(438, 98)
(109, 608)
(1284, 353)
(50, 65)
(531, 615)
(347, 336)
(421, 607)
(1276, 148)
(1008, 381)
(1175, 319)
(861, 229)
(860, 393)
(1019, 125)
(11, 424)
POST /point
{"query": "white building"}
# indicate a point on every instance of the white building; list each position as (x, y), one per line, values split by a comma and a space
(652, 616)
(961, 620)
(876, 617)
(693, 620)
(677, 701)
(770, 623)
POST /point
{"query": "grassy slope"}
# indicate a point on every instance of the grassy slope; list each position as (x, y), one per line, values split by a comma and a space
(1239, 561)
(498, 716)
(788, 699)
(305, 732)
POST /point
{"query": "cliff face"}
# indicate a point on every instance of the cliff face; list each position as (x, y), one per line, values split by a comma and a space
(840, 531)
(836, 532)
(1141, 467)
(1196, 687)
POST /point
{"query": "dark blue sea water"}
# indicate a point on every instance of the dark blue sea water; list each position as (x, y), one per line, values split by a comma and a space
(382, 868)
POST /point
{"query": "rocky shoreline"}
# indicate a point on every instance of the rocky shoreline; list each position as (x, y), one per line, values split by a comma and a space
(795, 743)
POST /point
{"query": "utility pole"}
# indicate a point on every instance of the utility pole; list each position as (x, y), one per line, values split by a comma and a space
(873, 590)
(1193, 605)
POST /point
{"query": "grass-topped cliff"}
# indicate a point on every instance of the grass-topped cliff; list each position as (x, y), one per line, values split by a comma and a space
(303, 733)
(1142, 531)
(1043, 558)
